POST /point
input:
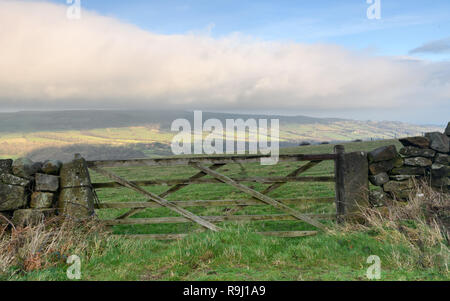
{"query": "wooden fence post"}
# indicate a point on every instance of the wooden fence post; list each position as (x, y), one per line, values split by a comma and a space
(339, 181)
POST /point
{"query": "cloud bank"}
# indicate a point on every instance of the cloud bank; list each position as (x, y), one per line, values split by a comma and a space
(48, 60)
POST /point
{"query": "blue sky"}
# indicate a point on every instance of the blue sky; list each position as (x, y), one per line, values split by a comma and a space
(404, 24)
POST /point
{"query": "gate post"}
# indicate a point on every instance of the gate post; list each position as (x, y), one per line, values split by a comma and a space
(339, 181)
(352, 182)
(76, 199)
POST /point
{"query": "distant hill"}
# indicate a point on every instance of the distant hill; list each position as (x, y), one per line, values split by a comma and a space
(32, 121)
(89, 152)
(27, 132)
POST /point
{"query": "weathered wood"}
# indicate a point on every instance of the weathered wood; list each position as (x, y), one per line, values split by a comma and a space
(158, 199)
(261, 196)
(183, 235)
(212, 219)
(210, 203)
(339, 180)
(207, 160)
(288, 233)
(261, 180)
(170, 190)
(153, 236)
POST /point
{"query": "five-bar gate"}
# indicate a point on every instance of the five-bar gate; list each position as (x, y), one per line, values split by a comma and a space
(211, 166)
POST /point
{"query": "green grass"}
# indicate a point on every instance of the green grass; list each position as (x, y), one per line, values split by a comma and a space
(238, 253)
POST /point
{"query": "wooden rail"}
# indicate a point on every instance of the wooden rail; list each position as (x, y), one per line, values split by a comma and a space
(183, 235)
(212, 219)
(209, 203)
(261, 180)
(206, 160)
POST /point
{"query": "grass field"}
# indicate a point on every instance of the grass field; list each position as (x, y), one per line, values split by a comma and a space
(238, 253)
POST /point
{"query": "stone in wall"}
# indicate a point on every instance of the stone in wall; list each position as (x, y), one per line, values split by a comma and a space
(377, 198)
(26, 217)
(385, 166)
(383, 153)
(398, 161)
(12, 197)
(25, 168)
(41, 200)
(419, 141)
(13, 192)
(401, 177)
(399, 190)
(439, 142)
(47, 182)
(380, 167)
(440, 170)
(440, 176)
(409, 170)
(51, 167)
(411, 151)
(447, 130)
(6, 166)
(13, 180)
(418, 161)
(441, 159)
(379, 179)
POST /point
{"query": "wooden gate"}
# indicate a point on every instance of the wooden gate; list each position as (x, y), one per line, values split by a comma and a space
(209, 172)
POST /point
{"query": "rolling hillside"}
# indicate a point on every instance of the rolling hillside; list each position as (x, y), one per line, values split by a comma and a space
(25, 132)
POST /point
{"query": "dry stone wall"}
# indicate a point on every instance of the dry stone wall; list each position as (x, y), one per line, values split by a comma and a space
(31, 191)
(420, 157)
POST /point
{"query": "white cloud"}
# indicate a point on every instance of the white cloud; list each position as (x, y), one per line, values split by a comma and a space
(48, 59)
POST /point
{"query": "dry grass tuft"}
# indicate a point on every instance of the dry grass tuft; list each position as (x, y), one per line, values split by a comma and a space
(422, 223)
(47, 244)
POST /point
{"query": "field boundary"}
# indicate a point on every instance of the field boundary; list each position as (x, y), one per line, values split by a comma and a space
(210, 166)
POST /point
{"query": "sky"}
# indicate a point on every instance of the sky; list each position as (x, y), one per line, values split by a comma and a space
(318, 58)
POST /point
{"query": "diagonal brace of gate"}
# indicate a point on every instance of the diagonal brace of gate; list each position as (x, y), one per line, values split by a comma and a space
(170, 190)
(260, 196)
(158, 199)
(293, 174)
(274, 186)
